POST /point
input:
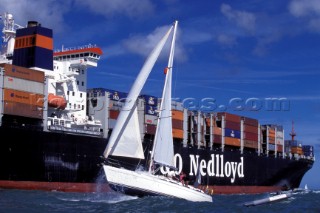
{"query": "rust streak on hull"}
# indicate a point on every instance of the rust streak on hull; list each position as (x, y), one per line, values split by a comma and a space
(55, 186)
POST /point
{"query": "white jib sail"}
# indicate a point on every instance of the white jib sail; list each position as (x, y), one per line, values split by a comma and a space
(163, 142)
(128, 109)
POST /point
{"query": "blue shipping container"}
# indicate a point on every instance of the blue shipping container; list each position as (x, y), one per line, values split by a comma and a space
(232, 133)
(150, 100)
(151, 110)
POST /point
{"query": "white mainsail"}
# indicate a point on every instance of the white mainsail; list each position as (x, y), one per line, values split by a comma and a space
(121, 132)
(163, 142)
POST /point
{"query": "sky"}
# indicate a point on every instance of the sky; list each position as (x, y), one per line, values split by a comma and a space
(235, 56)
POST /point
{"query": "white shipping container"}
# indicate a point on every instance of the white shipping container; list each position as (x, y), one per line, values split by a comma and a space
(151, 119)
(23, 85)
(279, 134)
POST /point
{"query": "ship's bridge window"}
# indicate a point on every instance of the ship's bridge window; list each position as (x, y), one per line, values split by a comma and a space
(81, 55)
(72, 56)
(86, 54)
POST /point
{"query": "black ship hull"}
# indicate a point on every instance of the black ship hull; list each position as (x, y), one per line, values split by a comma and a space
(34, 159)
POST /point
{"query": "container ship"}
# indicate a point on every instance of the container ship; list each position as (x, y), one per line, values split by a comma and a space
(54, 129)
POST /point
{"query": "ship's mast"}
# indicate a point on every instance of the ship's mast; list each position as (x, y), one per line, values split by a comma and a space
(8, 36)
(292, 133)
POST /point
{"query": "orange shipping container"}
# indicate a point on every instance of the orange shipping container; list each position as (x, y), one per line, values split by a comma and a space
(113, 114)
(23, 73)
(296, 150)
(178, 115)
(23, 97)
(232, 141)
(177, 133)
(217, 131)
(21, 109)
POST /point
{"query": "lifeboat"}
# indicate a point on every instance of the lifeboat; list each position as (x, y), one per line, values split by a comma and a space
(56, 101)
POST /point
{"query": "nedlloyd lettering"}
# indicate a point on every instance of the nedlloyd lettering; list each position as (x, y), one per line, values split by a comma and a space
(215, 167)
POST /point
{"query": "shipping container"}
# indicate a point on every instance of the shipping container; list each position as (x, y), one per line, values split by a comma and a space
(23, 97)
(272, 147)
(175, 105)
(23, 73)
(296, 150)
(217, 131)
(177, 124)
(150, 100)
(307, 148)
(251, 129)
(292, 143)
(23, 85)
(150, 129)
(279, 134)
(177, 133)
(279, 148)
(232, 141)
(250, 121)
(232, 133)
(217, 139)
(151, 110)
(250, 144)
(22, 109)
(151, 119)
(113, 114)
(250, 136)
(272, 140)
(233, 125)
(229, 117)
(178, 115)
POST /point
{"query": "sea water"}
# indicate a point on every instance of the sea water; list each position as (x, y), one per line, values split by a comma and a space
(16, 201)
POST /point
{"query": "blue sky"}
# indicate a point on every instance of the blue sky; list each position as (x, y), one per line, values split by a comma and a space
(243, 51)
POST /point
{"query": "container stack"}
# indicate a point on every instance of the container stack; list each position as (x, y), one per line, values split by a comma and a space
(151, 115)
(23, 91)
(232, 130)
(279, 139)
(308, 151)
(116, 102)
(293, 147)
(177, 120)
(250, 133)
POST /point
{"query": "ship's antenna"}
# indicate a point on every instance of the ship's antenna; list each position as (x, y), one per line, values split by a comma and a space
(292, 133)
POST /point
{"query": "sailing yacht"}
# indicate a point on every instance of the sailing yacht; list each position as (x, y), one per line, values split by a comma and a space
(125, 140)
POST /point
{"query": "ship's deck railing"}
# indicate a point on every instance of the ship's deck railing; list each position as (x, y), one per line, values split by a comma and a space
(71, 130)
(75, 48)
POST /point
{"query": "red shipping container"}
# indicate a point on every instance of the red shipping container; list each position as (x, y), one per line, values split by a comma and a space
(250, 136)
